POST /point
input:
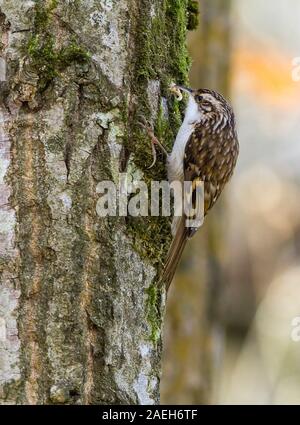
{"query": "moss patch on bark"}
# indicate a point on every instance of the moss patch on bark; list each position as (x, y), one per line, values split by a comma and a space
(47, 58)
(153, 313)
(193, 14)
(161, 56)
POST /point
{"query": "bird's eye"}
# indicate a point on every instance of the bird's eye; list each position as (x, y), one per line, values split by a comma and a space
(198, 98)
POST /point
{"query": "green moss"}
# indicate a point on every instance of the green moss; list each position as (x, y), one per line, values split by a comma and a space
(41, 50)
(43, 13)
(153, 312)
(162, 52)
(47, 59)
(176, 20)
(152, 234)
(72, 53)
(193, 14)
(161, 55)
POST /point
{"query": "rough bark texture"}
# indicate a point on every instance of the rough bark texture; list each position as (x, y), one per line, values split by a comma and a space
(80, 312)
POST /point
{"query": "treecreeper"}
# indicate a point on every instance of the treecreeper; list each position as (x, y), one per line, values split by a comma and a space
(205, 151)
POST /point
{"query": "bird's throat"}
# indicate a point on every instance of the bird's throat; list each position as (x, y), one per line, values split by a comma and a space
(192, 113)
(176, 158)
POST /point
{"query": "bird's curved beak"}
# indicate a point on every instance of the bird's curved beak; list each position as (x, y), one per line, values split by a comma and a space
(177, 90)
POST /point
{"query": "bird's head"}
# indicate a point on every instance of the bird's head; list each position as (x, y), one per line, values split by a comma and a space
(207, 101)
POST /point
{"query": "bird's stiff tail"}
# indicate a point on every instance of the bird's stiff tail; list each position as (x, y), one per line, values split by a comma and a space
(174, 253)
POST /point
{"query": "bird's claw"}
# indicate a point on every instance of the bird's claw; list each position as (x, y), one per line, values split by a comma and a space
(154, 156)
(147, 126)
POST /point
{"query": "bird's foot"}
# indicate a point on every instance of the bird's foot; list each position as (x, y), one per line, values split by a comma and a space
(154, 140)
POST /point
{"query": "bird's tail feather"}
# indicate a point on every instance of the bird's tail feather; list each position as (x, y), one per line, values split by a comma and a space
(174, 253)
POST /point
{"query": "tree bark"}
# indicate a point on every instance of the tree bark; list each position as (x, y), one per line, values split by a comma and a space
(80, 310)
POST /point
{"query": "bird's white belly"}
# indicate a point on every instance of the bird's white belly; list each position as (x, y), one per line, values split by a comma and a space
(176, 158)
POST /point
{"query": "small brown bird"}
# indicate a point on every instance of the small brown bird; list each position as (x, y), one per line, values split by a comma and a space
(206, 149)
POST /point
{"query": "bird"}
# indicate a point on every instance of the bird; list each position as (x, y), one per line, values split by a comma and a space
(205, 151)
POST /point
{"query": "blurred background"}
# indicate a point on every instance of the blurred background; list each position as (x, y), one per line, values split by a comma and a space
(228, 333)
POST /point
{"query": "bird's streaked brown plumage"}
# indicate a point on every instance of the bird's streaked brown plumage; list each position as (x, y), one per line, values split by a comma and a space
(205, 150)
(210, 155)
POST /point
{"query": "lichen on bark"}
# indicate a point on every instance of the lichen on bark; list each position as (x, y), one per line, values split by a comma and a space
(89, 312)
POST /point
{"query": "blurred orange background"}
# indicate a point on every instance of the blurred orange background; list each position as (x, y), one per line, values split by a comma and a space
(228, 336)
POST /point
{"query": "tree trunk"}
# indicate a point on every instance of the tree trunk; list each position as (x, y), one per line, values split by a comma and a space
(80, 310)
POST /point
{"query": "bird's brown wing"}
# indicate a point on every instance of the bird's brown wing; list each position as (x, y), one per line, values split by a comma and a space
(209, 157)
